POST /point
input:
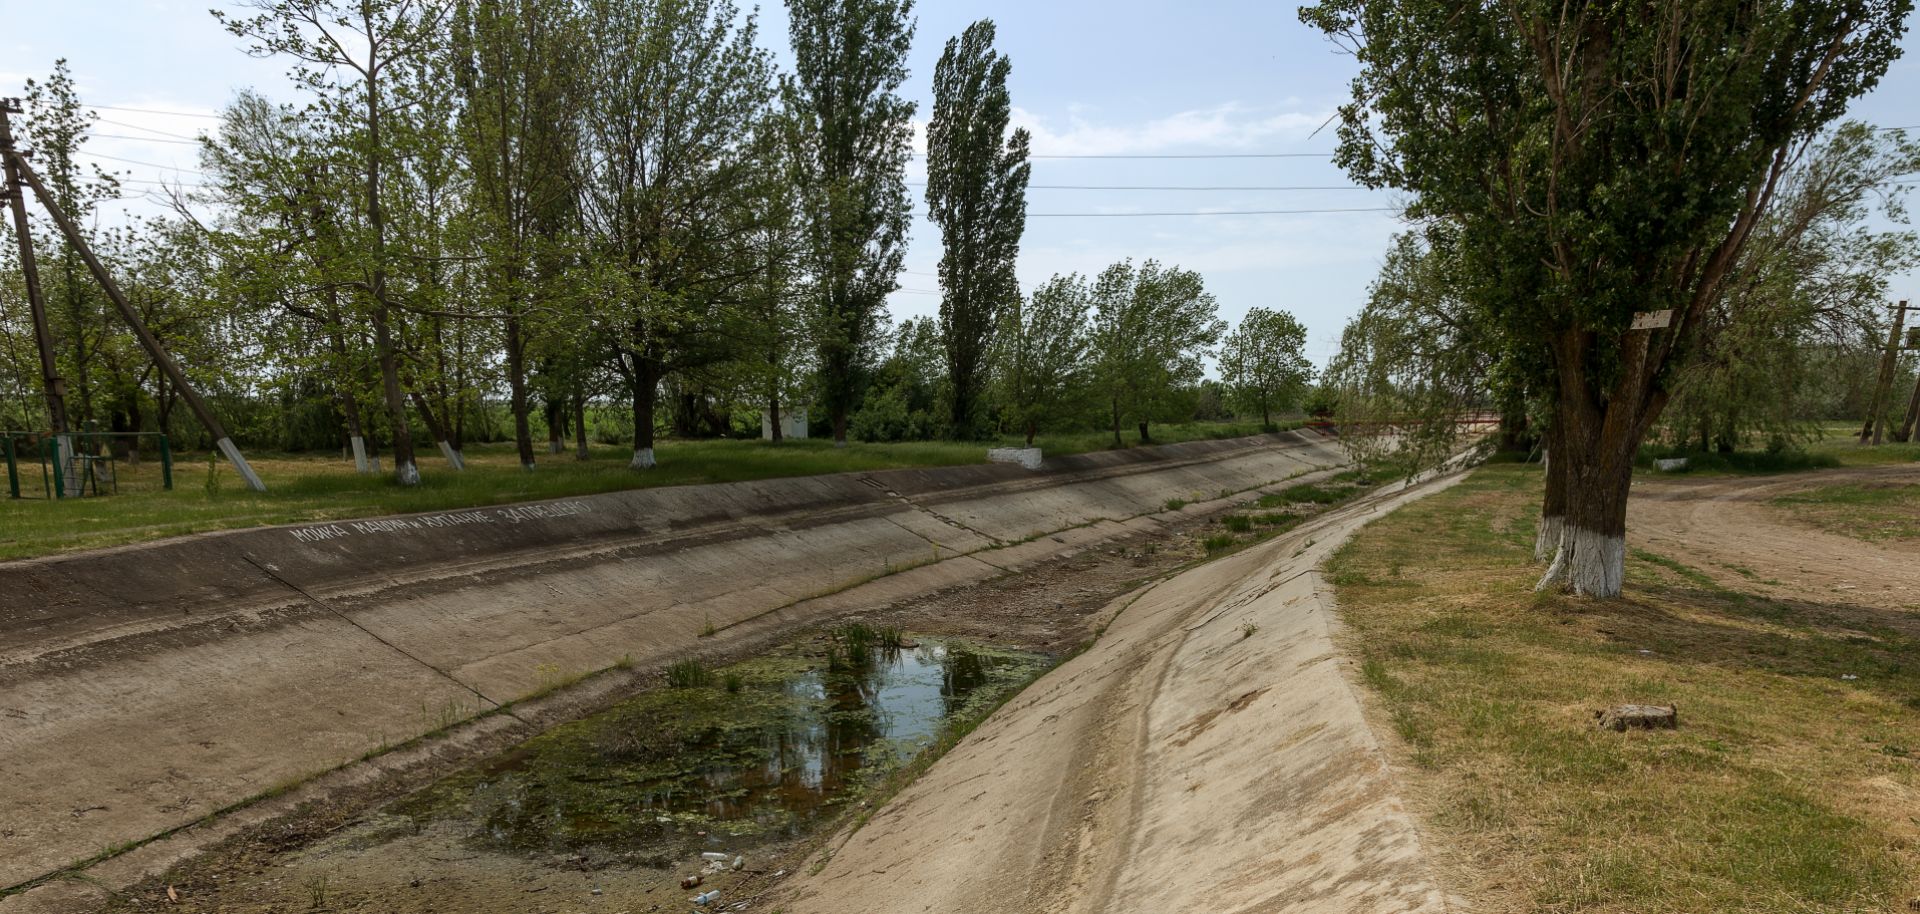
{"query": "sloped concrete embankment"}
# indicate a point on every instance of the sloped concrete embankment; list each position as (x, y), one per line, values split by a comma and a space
(1209, 752)
(144, 687)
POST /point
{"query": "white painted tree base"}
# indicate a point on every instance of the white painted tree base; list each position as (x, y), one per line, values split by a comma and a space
(642, 459)
(453, 456)
(360, 464)
(1587, 563)
(1547, 541)
(407, 474)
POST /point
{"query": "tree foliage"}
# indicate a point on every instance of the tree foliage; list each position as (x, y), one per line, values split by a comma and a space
(1264, 362)
(1596, 162)
(977, 195)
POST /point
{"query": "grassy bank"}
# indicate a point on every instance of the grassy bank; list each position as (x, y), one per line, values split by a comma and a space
(1792, 784)
(310, 487)
(1835, 444)
(1875, 512)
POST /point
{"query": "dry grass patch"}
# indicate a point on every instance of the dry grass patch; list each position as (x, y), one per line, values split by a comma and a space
(1789, 786)
(1873, 511)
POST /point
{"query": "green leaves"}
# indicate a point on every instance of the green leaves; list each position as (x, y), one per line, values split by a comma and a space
(1263, 362)
(1152, 329)
(1040, 354)
(853, 131)
(976, 192)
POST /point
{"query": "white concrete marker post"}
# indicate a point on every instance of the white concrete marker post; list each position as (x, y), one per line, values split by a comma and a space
(1028, 457)
(240, 463)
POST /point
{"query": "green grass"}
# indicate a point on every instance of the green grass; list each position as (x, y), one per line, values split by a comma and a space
(1834, 444)
(316, 487)
(1865, 511)
(1785, 788)
(1307, 493)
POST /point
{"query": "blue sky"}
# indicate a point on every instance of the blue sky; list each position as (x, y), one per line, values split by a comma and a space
(1090, 77)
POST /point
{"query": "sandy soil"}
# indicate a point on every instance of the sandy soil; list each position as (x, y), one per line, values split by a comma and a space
(1724, 526)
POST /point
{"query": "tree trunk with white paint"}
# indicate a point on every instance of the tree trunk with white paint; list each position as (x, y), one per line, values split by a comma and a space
(1553, 501)
(646, 391)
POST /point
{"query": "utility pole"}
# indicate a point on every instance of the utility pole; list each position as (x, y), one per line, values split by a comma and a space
(1875, 428)
(16, 164)
(1906, 429)
(51, 383)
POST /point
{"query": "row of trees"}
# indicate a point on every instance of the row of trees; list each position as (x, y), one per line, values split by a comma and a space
(552, 203)
(1625, 214)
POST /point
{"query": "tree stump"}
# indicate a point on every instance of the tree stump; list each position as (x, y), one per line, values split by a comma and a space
(1621, 718)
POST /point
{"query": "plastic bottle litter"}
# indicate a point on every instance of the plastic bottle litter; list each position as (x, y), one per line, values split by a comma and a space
(739, 862)
(708, 898)
(714, 855)
(691, 881)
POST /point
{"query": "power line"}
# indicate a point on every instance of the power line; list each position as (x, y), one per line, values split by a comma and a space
(149, 129)
(1224, 212)
(213, 117)
(101, 155)
(1250, 187)
(1194, 155)
(145, 139)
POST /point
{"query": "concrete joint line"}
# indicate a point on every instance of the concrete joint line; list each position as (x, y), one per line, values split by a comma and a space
(877, 484)
(269, 572)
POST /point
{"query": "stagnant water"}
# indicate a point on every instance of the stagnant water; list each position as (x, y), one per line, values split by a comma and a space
(756, 750)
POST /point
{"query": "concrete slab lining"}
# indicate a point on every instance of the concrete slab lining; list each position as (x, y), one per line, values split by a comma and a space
(1209, 751)
(143, 687)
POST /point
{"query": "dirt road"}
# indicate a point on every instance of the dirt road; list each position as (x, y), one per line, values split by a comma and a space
(1207, 753)
(1724, 526)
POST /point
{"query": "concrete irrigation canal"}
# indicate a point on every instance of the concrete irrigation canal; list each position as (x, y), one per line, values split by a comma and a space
(579, 697)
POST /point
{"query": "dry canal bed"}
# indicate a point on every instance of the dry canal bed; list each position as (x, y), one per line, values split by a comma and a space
(759, 749)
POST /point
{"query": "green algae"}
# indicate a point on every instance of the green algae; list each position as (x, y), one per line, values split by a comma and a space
(763, 749)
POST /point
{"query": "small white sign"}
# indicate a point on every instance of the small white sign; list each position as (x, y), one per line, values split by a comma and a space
(1650, 320)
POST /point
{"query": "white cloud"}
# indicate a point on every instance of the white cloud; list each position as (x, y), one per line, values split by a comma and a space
(1225, 127)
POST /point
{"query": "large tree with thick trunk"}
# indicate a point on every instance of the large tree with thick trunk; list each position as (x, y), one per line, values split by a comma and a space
(676, 90)
(977, 194)
(1601, 162)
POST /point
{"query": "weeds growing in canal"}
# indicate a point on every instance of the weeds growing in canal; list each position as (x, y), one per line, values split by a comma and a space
(688, 674)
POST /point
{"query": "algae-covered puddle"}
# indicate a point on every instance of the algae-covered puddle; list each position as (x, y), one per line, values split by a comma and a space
(754, 751)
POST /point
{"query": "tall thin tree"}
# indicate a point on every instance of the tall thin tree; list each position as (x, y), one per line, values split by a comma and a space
(977, 193)
(850, 58)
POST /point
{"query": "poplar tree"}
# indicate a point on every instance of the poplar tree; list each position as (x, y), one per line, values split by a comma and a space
(976, 192)
(853, 138)
(56, 127)
(514, 63)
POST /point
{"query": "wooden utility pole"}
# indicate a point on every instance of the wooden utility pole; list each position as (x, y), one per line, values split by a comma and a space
(54, 386)
(16, 164)
(1906, 429)
(1874, 431)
